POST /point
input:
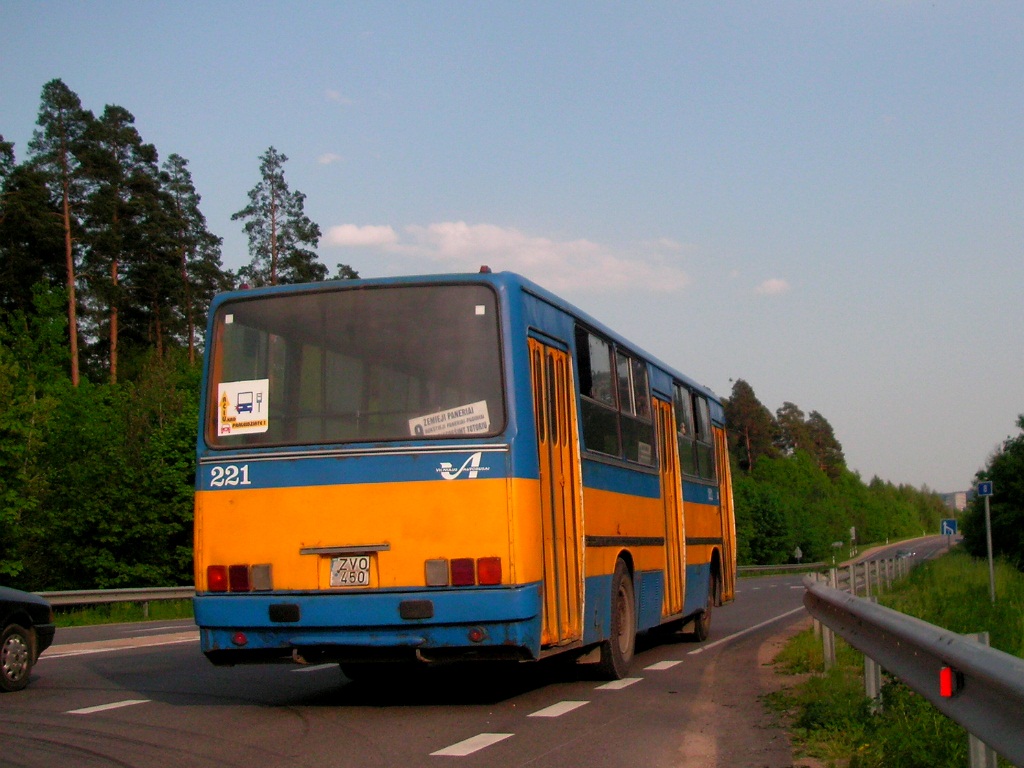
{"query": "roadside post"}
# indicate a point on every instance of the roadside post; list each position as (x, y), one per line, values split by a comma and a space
(948, 529)
(985, 490)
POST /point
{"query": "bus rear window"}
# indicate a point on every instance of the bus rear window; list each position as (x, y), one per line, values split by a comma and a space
(356, 365)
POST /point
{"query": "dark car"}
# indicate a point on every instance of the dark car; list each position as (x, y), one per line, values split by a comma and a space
(26, 630)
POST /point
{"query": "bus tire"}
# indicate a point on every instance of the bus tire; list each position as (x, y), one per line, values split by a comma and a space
(702, 624)
(617, 650)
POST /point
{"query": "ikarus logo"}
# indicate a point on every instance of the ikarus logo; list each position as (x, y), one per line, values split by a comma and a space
(470, 466)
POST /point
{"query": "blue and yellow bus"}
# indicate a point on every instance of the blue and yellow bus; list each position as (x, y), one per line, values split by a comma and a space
(444, 468)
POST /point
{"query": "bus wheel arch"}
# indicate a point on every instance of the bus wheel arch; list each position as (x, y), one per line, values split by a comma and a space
(617, 651)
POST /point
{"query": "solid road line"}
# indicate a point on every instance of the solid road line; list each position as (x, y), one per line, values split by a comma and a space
(105, 707)
(124, 644)
(746, 631)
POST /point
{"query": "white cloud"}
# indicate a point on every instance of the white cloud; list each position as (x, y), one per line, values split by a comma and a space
(332, 95)
(666, 244)
(329, 157)
(561, 265)
(772, 287)
(352, 236)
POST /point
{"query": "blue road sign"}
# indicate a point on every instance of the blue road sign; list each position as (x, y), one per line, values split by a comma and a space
(948, 527)
(985, 489)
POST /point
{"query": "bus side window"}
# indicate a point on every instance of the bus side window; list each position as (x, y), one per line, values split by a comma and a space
(637, 427)
(684, 424)
(705, 445)
(600, 415)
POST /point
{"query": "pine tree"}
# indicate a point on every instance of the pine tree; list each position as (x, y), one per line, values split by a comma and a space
(121, 171)
(6, 159)
(751, 427)
(62, 125)
(792, 435)
(31, 240)
(826, 449)
(198, 249)
(278, 228)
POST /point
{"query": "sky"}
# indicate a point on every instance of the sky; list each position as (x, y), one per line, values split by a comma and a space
(825, 199)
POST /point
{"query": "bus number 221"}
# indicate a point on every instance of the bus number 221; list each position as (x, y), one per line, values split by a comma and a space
(229, 475)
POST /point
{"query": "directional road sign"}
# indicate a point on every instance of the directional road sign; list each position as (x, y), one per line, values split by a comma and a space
(948, 527)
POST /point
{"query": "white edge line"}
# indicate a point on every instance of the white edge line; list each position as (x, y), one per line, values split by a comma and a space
(105, 707)
(86, 651)
(746, 631)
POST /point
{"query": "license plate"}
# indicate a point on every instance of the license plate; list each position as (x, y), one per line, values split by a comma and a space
(350, 571)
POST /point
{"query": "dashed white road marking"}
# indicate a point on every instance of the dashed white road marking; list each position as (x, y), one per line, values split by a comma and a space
(559, 709)
(663, 665)
(616, 685)
(471, 745)
(105, 707)
(316, 668)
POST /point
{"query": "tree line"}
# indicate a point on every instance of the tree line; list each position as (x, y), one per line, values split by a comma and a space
(795, 495)
(1005, 470)
(107, 271)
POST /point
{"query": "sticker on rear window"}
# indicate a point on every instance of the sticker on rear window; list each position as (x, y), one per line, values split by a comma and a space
(242, 407)
(464, 420)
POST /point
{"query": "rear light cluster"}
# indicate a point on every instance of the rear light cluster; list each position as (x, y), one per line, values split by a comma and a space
(239, 578)
(463, 572)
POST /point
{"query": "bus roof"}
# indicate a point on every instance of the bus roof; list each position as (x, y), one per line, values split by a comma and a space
(506, 282)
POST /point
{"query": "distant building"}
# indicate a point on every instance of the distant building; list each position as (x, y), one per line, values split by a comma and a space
(956, 500)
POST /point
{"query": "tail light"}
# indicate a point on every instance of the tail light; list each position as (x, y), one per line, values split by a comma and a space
(239, 578)
(488, 570)
(217, 578)
(463, 572)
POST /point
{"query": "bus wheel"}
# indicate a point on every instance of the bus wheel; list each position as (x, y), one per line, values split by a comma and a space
(702, 624)
(617, 650)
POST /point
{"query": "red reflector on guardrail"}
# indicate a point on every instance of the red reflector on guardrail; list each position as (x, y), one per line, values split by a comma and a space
(950, 682)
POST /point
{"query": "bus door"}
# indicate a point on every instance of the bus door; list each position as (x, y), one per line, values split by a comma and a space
(560, 489)
(672, 501)
(728, 517)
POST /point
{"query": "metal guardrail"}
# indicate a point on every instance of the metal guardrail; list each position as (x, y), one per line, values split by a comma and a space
(786, 567)
(103, 596)
(988, 685)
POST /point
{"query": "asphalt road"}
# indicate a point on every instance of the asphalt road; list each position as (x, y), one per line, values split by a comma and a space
(143, 695)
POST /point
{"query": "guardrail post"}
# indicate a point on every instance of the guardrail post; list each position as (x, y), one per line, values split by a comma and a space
(980, 754)
(814, 622)
(873, 679)
(867, 578)
(853, 579)
(828, 638)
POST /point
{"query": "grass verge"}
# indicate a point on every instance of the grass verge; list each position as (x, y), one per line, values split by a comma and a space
(119, 613)
(828, 715)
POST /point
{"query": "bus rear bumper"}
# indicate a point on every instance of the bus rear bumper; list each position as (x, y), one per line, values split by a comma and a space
(499, 623)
